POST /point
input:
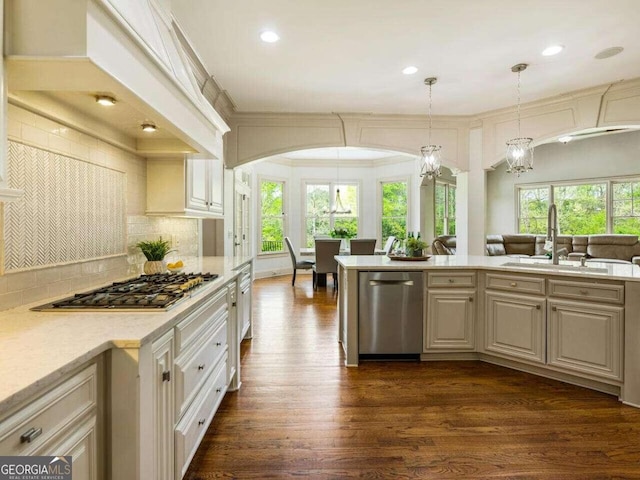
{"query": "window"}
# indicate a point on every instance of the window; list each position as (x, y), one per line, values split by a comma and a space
(271, 216)
(394, 210)
(320, 201)
(582, 208)
(533, 204)
(445, 209)
(626, 207)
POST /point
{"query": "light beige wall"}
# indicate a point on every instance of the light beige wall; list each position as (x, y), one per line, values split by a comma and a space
(37, 284)
(607, 156)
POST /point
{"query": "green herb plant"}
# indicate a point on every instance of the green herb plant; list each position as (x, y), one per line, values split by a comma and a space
(341, 233)
(154, 250)
(415, 245)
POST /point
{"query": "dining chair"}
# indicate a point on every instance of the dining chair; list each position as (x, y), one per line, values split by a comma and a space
(298, 264)
(389, 245)
(363, 246)
(326, 250)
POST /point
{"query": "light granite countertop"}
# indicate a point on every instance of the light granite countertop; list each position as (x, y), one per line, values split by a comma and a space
(593, 270)
(36, 348)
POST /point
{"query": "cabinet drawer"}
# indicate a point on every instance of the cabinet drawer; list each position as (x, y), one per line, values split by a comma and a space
(587, 291)
(448, 279)
(190, 329)
(49, 414)
(195, 365)
(194, 424)
(516, 283)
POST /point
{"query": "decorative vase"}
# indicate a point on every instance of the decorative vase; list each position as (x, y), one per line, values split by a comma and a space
(415, 253)
(154, 266)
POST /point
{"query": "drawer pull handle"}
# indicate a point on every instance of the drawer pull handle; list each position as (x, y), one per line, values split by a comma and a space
(537, 307)
(555, 309)
(584, 292)
(218, 390)
(201, 367)
(166, 376)
(471, 299)
(234, 304)
(514, 284)
(201, 422)
(218, 344)
(451, 280)
(30, 435)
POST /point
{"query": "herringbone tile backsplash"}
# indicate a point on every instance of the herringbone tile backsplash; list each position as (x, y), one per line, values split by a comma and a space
(71, 210)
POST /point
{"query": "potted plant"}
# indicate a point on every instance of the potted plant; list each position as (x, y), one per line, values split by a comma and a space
(344, 234)
(154, 251)
(415, 247)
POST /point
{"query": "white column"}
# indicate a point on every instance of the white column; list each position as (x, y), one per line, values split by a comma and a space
(471, 201)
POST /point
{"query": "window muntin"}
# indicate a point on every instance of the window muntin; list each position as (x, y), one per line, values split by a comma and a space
(394, 210)
(271, 216)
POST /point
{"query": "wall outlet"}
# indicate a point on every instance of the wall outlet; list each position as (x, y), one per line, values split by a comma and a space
(175, 241)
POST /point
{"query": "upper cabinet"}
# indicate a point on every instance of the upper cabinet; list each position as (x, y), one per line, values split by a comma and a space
(191, 187)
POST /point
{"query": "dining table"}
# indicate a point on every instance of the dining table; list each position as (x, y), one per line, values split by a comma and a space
(311, 252)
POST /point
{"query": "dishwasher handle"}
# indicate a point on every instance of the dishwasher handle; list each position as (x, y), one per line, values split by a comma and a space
(377, 283)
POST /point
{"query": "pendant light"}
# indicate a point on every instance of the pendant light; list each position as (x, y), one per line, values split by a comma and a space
(338, 207)
(430, 154)
(519, 150)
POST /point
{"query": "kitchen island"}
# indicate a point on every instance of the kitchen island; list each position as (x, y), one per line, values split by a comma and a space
(141, 387)
(576, 324)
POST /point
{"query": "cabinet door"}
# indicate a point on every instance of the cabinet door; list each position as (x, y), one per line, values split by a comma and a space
(81, 445)
(244, 319)
(515, 326)
(216, 186)
(586, 338)
(450, 320)
(197, 184)
(163, 407)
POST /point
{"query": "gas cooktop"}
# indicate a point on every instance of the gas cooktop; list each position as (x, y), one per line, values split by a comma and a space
(147, 292)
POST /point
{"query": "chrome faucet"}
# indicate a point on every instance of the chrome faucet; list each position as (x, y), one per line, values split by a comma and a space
(552, 232)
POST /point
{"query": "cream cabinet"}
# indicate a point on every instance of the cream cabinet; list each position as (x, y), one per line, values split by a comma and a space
(186, 187)
(244, 310)
(515, 316)
(586, 337)
(202, 373)
(62, 420)
(163, 406)
(451, 307)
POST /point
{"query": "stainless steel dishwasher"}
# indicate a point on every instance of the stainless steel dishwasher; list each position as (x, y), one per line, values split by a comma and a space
(390, 314)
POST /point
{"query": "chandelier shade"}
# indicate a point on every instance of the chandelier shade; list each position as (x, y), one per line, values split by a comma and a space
(519, 153)
(430, 155)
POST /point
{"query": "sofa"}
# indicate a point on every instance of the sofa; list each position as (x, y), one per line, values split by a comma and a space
(603, 248)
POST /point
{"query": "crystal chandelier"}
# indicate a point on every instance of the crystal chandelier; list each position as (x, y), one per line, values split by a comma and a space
(519, 149)
(430, 154)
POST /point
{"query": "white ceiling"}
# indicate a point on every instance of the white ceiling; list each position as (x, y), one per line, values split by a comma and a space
(347, 55)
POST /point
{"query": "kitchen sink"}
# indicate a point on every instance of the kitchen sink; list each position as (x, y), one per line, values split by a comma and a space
(556, 268)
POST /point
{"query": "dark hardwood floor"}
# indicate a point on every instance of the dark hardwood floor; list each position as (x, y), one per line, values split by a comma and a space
(300, 413)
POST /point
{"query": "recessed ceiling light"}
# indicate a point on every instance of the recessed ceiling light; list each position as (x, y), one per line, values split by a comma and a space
(105, 100)
(552, 50)
(148, 127)
(269, 36)
(565, 139)
(608, 52)
(410, 70)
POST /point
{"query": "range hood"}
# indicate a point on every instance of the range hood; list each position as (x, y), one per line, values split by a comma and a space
(66, 52)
